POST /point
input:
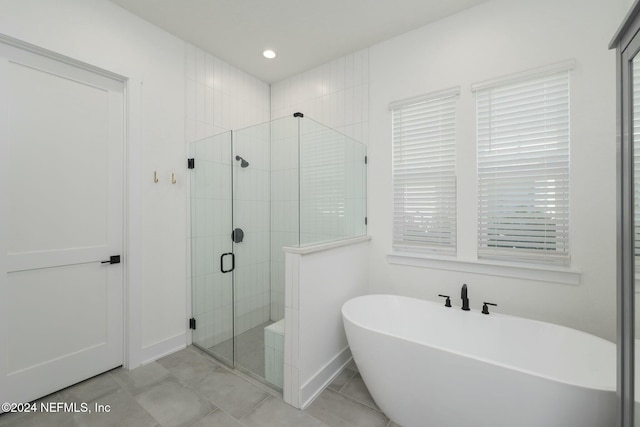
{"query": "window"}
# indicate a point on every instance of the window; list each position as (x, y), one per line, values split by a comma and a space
(523, 167)
(424, 180)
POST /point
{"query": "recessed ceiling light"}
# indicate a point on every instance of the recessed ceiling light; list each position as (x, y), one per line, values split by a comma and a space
(269, 54)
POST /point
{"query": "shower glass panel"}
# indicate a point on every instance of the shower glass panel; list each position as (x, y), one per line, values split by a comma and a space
(249, 189)
(285, 222)
(211, 246)
(251, 223)
(332, 185)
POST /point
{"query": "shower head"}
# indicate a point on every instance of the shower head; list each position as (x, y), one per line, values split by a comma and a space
(243, 162)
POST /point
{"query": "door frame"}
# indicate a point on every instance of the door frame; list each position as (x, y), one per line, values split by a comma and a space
(626, 42)
(131, 195)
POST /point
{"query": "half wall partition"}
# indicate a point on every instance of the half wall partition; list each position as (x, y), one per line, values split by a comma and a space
(287, 182)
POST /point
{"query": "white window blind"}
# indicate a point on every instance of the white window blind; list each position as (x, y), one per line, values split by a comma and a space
(523, 169)
(424, 180)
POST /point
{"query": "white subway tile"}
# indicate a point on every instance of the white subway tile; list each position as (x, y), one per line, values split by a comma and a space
(348, 71)
(340, 73)
(209, 105)
(201, 130)
(190, 61)
(364, 137)
(340, 119)
(190, 101)
(209, 70)
(365, 66)
(190, 129)
(200, 66)
(365, 103)
(357, 104)
(200, 102)
(217, 74)
(357, 68)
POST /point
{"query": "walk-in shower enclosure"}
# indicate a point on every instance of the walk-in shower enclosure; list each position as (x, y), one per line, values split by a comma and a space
(287, 182)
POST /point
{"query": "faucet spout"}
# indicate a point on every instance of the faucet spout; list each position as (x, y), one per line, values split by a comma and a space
(465, 298)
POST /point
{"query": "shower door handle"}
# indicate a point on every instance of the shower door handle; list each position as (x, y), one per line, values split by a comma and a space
(233, 262)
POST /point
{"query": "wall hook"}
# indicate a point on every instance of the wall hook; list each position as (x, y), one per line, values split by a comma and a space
(173, 178)
(155, 176)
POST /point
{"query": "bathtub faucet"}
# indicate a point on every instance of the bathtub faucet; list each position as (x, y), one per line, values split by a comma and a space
(465, 299)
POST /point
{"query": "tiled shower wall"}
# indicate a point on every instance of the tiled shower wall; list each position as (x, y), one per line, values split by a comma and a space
(251, 213)
(332, 185)
(335, 94)
(284, 204)
(220, 97)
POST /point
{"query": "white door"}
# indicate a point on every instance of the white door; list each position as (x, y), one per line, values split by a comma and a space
(61, 215)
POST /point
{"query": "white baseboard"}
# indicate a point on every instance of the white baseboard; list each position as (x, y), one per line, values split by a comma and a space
(153, 352)
(312, 388)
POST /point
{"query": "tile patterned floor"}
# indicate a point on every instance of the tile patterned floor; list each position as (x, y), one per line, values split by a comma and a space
(189, 388)
(250, 349)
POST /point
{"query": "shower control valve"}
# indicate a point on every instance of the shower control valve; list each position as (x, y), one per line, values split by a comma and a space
(447, 302)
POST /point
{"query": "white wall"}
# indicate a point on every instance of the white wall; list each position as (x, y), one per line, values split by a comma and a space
(316, 347)
(492, 40)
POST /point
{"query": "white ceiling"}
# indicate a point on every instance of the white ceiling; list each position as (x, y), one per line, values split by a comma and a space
(303, 33)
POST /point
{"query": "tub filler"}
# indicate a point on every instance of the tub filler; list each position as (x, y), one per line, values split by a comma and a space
(428, 365)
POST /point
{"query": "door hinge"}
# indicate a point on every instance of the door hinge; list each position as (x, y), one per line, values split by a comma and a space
(191, 163)
(192, 323)
(366, 160)
(365, 220)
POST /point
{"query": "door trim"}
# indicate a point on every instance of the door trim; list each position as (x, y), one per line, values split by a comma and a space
(8, 40)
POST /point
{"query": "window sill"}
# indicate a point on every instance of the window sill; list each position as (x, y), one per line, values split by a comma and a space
(540, 273)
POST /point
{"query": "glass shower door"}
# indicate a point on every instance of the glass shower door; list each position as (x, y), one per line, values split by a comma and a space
(212, 257)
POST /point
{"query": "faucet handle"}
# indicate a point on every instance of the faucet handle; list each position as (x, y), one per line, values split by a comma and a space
(447, 302)
(485, 308)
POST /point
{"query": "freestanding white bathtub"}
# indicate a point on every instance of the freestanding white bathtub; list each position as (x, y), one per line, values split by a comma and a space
(431, 366)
